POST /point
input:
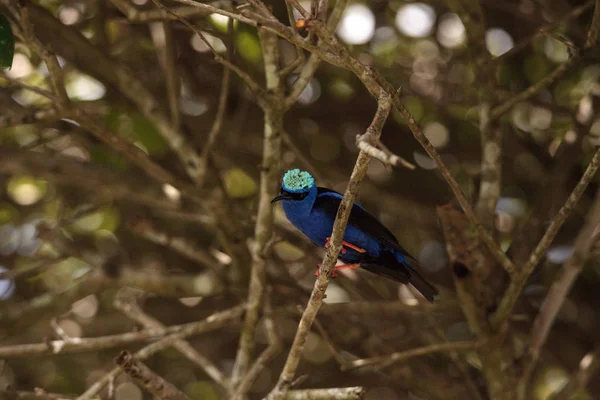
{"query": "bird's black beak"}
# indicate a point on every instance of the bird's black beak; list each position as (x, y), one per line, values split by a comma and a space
(283, 196)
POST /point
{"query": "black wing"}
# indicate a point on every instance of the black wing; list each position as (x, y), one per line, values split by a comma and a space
(360, 218)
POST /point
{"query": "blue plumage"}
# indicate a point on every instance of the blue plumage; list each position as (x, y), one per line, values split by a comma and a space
(367, 243)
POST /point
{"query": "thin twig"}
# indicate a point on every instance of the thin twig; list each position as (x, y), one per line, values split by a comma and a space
(491, 168)
(269, 178)
(148, 379)
(385, 157)
(387, 360)
(514, 289)
(346, 393)
(211, 323)
(145, 229)
(215, 129)
(128, 306)
(273, 349)
(215, 320)
(560, 289)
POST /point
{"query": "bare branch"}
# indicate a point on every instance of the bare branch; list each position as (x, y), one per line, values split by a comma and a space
(148, 379)
(339, 226)
(560, 289)
(516, 286)
(348, 393)
(209, 324)
(384, 156)
(188, 249)
(387, 360)
(273, 349)
(168, 341)
(127, 305)
(269, 179)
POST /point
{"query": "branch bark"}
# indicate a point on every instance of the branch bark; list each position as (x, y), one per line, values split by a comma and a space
(148, 379)
(339, 226)
(269, 178)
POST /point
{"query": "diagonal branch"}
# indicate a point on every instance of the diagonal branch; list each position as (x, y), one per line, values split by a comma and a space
(151, 349)
(559, 291)
(390, 359)
(516, 286)
(127, 305)
(318, 293)
(148, 379)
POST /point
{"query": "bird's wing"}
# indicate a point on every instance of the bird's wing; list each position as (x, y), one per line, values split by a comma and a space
(360, 218)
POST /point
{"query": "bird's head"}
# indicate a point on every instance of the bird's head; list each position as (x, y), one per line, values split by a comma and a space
(297, 186)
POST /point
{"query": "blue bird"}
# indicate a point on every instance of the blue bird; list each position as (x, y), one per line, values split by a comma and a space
(366, 244)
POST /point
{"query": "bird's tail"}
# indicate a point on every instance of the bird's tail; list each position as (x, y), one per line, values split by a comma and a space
(404, 272)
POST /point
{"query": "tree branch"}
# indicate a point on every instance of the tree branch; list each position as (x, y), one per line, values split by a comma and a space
(559, 290)
(401, 356)
(168, 341)
(318, 293)
(516, 286)
(347, 393)
(127, 305)
(269, 179)
(148, 379)
(75, 345)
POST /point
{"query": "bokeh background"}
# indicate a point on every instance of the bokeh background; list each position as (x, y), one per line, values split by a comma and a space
(57, 233)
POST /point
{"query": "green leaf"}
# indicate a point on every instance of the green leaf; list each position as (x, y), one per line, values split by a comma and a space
(7, 43)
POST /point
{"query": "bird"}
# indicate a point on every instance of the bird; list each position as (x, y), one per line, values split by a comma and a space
(367, 243)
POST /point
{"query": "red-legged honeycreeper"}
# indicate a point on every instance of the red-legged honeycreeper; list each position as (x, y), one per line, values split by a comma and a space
(367, 243)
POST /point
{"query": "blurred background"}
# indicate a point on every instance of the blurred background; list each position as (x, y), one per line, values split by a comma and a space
(79, 221)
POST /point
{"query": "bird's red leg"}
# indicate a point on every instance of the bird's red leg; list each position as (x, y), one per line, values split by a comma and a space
(344, 245)
(353, 247)
(337, 268)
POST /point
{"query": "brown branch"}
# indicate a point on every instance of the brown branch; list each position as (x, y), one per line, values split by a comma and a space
(401, 356)
(560, 289)
(339, 226)
(172, 77)
(218, 319)
(75, 345)
(491, 169)
(145, 229)
(269, 187)
(272, 350)
(215, 129)
(385, 157)
(125, 302)
(313, 62)
(148, 379)
(346, 393)
(134, 15)
(516, 286)
(592, 35)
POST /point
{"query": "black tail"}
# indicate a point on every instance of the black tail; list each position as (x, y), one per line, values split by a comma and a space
(404, 273)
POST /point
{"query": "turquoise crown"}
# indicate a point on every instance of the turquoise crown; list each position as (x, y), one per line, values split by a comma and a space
(297, 181)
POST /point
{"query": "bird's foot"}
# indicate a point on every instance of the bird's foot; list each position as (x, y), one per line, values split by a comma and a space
(344, 245)
(336, 269)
